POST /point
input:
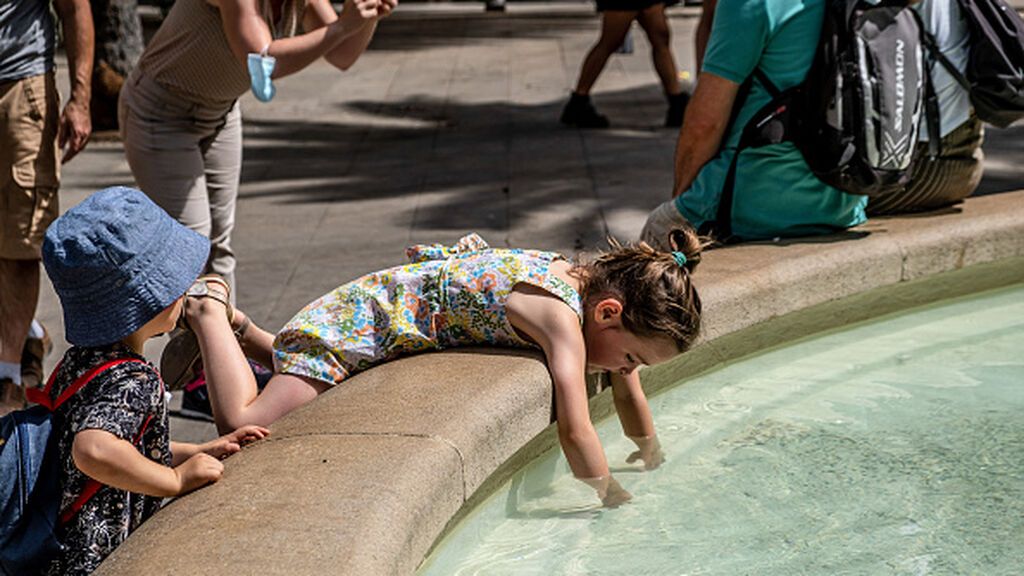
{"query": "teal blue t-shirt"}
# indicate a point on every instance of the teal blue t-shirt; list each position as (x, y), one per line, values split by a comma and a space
(775, 192)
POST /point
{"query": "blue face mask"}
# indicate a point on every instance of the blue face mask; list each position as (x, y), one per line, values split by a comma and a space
(260, 69)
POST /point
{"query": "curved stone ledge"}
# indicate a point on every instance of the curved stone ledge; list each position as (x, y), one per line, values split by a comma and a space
(366, 478)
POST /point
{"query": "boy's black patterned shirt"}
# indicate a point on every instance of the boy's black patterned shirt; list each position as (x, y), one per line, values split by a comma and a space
(119, 401)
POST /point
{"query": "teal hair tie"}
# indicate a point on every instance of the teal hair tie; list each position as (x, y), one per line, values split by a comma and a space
(680, 259)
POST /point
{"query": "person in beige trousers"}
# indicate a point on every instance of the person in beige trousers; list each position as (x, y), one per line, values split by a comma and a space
(179, 113)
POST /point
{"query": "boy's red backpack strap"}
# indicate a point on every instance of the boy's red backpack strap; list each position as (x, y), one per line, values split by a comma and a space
(93, 486)
(43, 397)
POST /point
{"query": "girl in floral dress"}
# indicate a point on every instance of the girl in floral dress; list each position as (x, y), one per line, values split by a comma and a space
(628, 307)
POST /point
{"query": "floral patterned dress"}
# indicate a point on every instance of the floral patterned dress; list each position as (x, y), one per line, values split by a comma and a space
(446, 297)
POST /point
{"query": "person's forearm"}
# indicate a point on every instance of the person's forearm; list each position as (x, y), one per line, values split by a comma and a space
(117, 463)
(181, 451)
(699, 141)
(350, 49)
(583, 451)
(294, 54)
(76, 17)
(632, 408)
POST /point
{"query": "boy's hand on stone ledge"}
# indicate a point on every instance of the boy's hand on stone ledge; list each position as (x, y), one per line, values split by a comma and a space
(232, 442)
(198, 471)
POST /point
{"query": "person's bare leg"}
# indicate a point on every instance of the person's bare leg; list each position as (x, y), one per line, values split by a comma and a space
(257, 343)
(655, 25)
(703, 33)
(234, 397)
(19, 293)
(614, 25)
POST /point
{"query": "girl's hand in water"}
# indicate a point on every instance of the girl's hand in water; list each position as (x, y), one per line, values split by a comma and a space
(648, 450)
(615, 495)
(611, 493)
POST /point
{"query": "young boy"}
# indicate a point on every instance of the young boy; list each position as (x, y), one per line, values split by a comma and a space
(121, 266)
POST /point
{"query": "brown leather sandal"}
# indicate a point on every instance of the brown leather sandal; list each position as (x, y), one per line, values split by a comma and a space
(181, 359)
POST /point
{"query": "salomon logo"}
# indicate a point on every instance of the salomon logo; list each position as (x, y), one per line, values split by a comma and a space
(900, 90)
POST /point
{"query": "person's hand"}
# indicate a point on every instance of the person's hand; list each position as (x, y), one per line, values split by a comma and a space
(385, 8)
(199, 470)
(615, 495)
(611, 493)
(648, 450)
(358, 13)
(232, 442)
(73, 129)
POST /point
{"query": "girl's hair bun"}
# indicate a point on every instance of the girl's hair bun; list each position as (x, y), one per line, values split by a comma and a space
(687, 241)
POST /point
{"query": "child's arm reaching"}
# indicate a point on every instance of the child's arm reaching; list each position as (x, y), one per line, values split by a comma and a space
(554, 327)
(635, 417)
(219, 448)
(116, 462)
(576, 433)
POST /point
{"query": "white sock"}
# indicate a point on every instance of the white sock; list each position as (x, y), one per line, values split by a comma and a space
(11, 371)
(35, 331)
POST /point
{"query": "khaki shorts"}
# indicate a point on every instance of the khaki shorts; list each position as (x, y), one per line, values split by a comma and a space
(29, 170)
(941, 181)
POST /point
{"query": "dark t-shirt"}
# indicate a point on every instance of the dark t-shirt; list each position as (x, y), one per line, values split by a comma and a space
(118, 400)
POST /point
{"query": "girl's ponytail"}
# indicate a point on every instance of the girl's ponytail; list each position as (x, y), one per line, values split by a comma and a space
(689, 244)
(658, 295)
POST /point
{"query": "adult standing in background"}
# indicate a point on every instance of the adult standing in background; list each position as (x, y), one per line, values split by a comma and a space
(616, 18)
(34, 133)
(179, 113)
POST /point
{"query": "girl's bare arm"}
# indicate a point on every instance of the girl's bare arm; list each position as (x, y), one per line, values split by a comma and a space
(555, 328)
(635, 416)
(631, 404)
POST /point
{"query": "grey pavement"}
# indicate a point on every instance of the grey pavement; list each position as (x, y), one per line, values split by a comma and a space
(448, 124)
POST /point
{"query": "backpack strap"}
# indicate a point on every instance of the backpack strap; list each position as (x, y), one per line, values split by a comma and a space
(934, 52)
(769, 125)
(931, 99)
(770, 86)
(43, 398)
(93, 486)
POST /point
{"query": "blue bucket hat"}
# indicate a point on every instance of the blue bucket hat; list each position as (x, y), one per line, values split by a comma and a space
(116, 261)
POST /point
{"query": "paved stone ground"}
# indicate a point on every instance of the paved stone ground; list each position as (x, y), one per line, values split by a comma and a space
(448, 124)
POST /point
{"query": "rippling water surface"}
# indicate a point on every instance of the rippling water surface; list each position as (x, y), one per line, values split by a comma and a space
(895, 447)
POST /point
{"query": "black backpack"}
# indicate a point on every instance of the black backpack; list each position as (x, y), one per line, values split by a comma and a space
(995, 67)
(855, 117)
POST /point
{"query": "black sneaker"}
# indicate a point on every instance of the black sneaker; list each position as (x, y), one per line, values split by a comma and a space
(195, 402)
(580, 112)
(676, 109)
